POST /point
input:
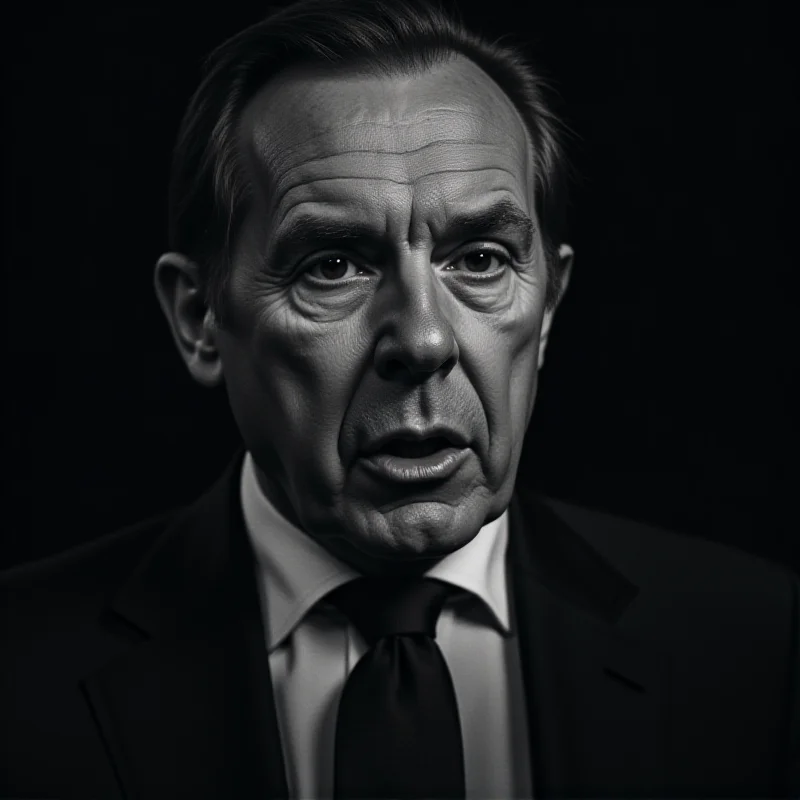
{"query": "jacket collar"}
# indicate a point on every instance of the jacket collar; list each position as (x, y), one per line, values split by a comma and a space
(596, 695)
(191, 705)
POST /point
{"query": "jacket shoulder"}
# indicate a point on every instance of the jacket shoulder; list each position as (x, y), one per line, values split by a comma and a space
(74, 583)
(728, 622)
(668, 563)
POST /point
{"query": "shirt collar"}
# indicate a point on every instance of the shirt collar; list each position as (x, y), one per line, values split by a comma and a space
(297, 572)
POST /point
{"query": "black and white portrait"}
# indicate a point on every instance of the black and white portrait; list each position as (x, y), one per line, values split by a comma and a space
(400, 403)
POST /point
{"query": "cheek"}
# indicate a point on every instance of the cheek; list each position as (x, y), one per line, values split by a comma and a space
(290, 384)
(523, 335)
(504, 356)
(523, 386)
(523, 379)
(508, 346)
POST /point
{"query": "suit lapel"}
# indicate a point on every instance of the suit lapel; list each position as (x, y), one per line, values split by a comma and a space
(188, 711)
(596, 698)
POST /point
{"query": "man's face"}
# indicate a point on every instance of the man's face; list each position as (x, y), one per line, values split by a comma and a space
(410, 323)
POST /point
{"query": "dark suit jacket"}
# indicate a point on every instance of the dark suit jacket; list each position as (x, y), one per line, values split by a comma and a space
(655, 665)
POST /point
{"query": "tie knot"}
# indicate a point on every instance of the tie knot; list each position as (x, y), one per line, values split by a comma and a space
(381, 607)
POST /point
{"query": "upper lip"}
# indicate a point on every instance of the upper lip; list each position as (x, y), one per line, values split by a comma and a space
(456, 438)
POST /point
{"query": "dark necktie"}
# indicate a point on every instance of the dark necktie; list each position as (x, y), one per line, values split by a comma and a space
(398, 733)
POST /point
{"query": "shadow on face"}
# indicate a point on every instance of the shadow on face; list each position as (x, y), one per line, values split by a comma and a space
(388, 305)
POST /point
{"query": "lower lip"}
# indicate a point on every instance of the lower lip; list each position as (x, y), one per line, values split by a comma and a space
(435, 467)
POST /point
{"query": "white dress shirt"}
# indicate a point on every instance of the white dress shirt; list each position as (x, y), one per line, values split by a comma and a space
(312, 648)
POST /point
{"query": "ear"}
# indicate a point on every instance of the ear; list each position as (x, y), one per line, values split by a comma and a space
(565, 259)
(177, 285)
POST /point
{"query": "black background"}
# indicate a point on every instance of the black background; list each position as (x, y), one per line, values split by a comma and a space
(666, 392)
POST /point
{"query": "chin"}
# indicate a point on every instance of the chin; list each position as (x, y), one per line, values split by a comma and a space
(427, 530)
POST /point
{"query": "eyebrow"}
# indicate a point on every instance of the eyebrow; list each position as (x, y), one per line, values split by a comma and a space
(503, 216)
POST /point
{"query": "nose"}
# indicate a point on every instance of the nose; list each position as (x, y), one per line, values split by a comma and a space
(416, 338)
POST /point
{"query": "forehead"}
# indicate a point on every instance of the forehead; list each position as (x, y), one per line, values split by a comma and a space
(308, 133)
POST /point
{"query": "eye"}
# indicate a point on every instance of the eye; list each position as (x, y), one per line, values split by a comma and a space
(481, 260)
(332, 268)
(335, 267)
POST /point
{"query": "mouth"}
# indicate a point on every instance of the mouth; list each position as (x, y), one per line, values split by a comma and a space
(400, 460)
(403, 448)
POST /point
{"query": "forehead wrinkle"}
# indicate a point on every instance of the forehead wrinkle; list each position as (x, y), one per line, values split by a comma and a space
(283, 194)
(280, 145)
(269, 144)
(402, 152)
(439, 196)
(393, 165)
(264, 130)
(286, 171)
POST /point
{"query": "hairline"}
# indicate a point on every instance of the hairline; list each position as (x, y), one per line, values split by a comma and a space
(244, 160)
(232, 183)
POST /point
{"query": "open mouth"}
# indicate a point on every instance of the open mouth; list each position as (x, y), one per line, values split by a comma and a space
(405, 449)
(400, 460)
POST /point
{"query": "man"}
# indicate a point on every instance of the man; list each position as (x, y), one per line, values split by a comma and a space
(367, 251)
